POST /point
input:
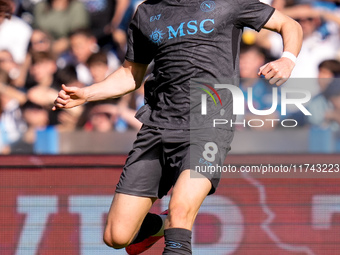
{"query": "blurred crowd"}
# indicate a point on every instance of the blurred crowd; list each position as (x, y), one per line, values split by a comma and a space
(46, 43)
(317, 68)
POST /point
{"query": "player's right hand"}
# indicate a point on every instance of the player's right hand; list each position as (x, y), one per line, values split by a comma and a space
(69, 97)
(278, 71)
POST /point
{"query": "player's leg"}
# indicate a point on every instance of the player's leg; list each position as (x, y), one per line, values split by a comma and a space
(151, 231)
(186, 199)
(136, 191)
(125, 218)
(192, 187)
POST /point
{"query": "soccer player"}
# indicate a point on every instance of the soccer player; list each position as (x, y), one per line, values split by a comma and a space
(186, 39)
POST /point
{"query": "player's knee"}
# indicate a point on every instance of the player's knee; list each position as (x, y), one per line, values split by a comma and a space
(116, 238)
(180, 215)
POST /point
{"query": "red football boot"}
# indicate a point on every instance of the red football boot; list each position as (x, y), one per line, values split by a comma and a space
(138, 248)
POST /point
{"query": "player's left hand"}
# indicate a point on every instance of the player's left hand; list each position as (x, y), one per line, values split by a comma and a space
(278, 71)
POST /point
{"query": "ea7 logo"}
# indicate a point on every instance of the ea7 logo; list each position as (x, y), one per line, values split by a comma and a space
(156, 17)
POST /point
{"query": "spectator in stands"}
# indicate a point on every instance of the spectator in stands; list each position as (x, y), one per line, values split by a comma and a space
(332, 93)
(59, 18)
(36, 118)
(83, 45)
(6, 10)
(123, 13)
(25, 10)
(108, 115)
(98, 66)
(8, 89)
(100, 13)
(11, 123)
(102, 117)
(68, 118)
(328, 70)
(14, 32)
(252, 57)
(321, 107)
(316, 47)
(8, 64)
(40, 41)
(329, 11)
(105, 18)
(68, 76)
(43, 70)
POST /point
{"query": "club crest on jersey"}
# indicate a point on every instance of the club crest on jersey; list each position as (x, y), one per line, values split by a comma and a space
(157, 36)
(208, 6)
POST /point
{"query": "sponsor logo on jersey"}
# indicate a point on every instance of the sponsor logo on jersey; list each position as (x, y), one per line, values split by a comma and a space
(191, 27)
(157, 36)
(156, 17)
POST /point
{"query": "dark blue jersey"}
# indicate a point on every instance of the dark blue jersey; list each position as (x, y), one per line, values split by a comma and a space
(188, 39)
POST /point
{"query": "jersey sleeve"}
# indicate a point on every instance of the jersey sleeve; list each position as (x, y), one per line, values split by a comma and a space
(253, 14)
(139, 47)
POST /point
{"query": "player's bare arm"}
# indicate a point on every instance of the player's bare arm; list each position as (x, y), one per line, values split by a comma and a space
(126, 79)
(277, 72)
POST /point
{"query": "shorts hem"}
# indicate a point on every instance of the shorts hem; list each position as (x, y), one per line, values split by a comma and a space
(213, 180)
(135, 193)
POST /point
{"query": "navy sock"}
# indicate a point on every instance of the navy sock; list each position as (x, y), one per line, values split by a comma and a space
(152, 223)
(177, 241)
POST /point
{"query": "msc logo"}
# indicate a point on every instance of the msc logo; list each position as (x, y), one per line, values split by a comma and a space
(191, 27)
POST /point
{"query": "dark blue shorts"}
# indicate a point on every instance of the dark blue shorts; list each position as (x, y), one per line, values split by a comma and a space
(160, 155)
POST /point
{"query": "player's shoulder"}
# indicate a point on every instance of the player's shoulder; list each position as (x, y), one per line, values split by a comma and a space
(148, 6)
(150, 3)
(244, 2)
